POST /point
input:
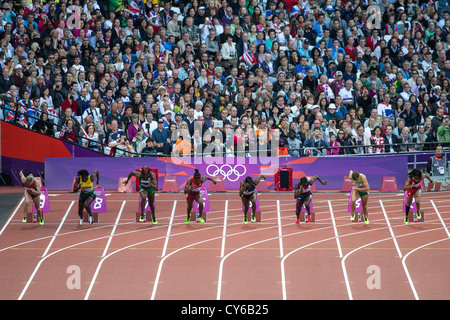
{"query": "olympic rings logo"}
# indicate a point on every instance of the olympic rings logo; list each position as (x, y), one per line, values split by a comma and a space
(227, 171)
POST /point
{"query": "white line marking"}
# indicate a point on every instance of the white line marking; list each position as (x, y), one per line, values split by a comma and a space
(390, 230)
(224, 234)
(335, 229)
(13, 214)
(45, 253)
(280, 232)
(114, 229)
(169, 229)
(411, 283)
(440, 218)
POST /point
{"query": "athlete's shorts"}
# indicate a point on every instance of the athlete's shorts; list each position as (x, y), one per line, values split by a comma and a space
(304, 197)
(362, 194)
(85, 195)
(192, 196)
(410, 192)
(248, 196)
(148, 190)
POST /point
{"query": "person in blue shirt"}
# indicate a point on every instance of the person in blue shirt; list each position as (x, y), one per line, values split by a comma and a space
(170, 43)
(302, 67)
(336, 48)
(319, 25)
(161, 138)
(30, 19)
(304, 50)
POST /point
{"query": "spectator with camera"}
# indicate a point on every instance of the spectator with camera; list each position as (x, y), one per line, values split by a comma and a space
(443, 132)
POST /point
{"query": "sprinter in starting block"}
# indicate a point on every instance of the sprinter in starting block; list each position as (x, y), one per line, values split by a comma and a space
(303, 194)
(85, 182)
(147, 190)
(248, 194)
(192, 191)
(360, 190)
(32, 194)
(412, 186)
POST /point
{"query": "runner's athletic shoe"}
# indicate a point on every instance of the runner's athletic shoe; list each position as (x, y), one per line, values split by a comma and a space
(352, 217)
(80, 222)
(406, 220)
(24, 219)
(309, 218)
(253, 218)
(200, 219)
(91, 219)
(418, 215)
(188, 219)
(154, 220)
(41, 221)
(366, 220)
(142, 218)
(245, 219)
(298, 221)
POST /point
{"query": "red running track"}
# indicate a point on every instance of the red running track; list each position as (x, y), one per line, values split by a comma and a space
(224, 259)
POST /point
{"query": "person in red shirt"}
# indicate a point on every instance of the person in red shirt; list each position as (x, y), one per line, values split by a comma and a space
(412, 186)
(350, 49)
(32, 194)
(192, 191)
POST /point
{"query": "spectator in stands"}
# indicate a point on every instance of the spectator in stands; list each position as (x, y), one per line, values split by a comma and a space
(133, 127)
(409, 54)
(68, 132)
(405, 140)
(294, 144)
(91, 139)
(161, 138)
(68, 114)
(150, 149)
(70, 103)
(444, 132)
(44, 125)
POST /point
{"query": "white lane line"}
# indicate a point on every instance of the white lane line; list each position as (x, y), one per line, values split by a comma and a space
(224, 234)
(440, 218)
(114, 229)
(169, 229)
(335, 229)
(45, 253)
(411, 283)
(391, 231)
(280, 232)
(12, 215)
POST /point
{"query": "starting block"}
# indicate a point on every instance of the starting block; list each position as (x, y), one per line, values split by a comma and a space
(262, 185)
(347, 184)
(206, 207)
(219, 187)
(358, 207)
(148, 212)
(126, 188)
(412, 210)
(388, 184)
(436, 185)
(97, 206)
(311, 209)
(257, 211)
(43, 205)
(170, 184)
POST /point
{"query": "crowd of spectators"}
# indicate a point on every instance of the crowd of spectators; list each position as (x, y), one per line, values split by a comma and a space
(233, 77)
